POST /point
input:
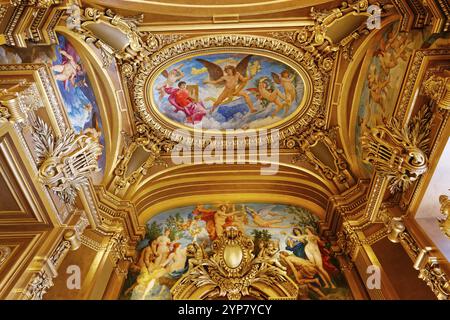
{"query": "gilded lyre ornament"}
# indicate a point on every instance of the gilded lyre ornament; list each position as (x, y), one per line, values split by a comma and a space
(399, 152)
(152, 143)
(437, 88)
(65, 163)
(444, 224)
(233, 271)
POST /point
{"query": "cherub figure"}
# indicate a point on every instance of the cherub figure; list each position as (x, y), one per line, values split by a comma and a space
(287, 82)
(273, 95)
(268, 252)
(68, 70)
(377, 86)
(234, 79)
(261, 219)
(172, 77)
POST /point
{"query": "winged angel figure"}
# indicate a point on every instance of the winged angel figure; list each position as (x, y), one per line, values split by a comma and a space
(234, 79)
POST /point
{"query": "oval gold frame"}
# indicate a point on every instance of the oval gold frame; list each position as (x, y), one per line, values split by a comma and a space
(295, 57)
(297, 68)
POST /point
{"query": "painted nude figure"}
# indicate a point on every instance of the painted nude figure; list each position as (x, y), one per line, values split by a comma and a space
(233, 78)
(66, 71)
(161, 246)
(275, 96)
(287, 82)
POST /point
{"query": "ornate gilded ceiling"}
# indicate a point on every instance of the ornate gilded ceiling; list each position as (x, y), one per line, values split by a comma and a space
(115, 114)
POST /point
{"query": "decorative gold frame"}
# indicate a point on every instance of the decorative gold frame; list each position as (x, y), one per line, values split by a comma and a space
(314, 77)
(299, 69)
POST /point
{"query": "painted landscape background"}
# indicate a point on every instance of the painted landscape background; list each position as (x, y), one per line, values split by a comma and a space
(270, 92)
(162, 254)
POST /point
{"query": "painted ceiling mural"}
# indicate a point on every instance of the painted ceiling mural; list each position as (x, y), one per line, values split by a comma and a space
(163, 257)
(386, 65)
(73, 83)
(78, 95)
(227, 91)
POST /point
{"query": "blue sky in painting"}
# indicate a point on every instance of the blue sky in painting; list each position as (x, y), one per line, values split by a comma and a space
(277, 233)
(77, 97)
(233, 115)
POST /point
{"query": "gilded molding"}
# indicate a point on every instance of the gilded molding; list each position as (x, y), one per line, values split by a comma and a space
(42, 281)
(413, 14)
(39, 286)
(436, 279)
(349, 241)
(407, 93)
(27, 22)
(92, 244)
(118, 246)
(316, 134)
(317, 76)
(428, 266)
(35, 3)
(116, 213)
(444, 224)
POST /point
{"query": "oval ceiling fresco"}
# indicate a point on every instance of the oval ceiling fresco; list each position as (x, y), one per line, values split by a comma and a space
(219, 91)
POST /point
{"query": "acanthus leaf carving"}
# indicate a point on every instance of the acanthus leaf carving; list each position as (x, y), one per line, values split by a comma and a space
(399, 152)
(64, 163)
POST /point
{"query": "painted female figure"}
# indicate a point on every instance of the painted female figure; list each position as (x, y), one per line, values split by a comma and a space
(313, 254)
(296, 244)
